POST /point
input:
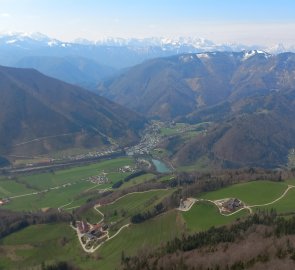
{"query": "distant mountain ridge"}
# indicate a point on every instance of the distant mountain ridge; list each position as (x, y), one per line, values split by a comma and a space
(76, 70)
(113, 52)
(40, 115)
(178, 86)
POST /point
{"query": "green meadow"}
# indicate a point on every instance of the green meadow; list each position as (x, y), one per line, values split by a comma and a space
(204, 215)
(131, 204)
(256, 192)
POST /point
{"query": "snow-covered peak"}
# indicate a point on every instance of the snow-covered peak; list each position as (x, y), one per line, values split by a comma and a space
(249, 54)
(156, 41)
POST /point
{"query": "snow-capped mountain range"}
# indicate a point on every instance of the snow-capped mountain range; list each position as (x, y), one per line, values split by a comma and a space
(34, 50)
(114, 52)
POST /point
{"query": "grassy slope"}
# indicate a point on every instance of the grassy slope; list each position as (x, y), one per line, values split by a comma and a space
(132, 204)
(10, 187)
(39, 243)
(285, 205)
(258, 192)
(204, 215)
(139, 238)
(92, 216)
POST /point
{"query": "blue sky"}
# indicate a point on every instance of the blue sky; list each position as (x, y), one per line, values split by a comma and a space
(249, 21)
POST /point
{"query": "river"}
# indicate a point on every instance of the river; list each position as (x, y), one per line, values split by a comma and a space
(161, 167)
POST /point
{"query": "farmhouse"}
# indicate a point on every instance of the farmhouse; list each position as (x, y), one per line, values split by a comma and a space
(83, 226)
(4, 201)
(232, 204)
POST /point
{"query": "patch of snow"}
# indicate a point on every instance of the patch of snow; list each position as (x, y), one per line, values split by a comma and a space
(186, 58)
(203, 55)
(52, 43)
(11, 41)
(65, 45)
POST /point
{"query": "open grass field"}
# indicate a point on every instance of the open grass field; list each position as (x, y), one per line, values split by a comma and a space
(285, 205)
(204, 215)
(52, 199)
(9, 188)
(256, 192)
(91, 216)
(40, 243)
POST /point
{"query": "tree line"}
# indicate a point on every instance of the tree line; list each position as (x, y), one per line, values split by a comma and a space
(11, 221)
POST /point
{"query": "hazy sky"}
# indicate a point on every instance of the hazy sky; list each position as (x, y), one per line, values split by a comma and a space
(246, 21)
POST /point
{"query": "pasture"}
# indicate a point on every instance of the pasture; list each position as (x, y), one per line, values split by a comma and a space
(256, 192)
(204, 215)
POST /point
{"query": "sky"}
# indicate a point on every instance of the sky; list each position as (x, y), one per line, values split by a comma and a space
(251, 22)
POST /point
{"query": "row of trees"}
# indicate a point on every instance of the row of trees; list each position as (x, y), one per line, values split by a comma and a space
(13, 221)
(141, 217)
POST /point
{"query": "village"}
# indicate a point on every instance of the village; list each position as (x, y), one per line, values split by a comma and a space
(149, 141)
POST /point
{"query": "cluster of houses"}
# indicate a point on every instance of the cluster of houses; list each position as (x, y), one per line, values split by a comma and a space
(90, 155)
(149, 141)
(91, 232)
(99, 179)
